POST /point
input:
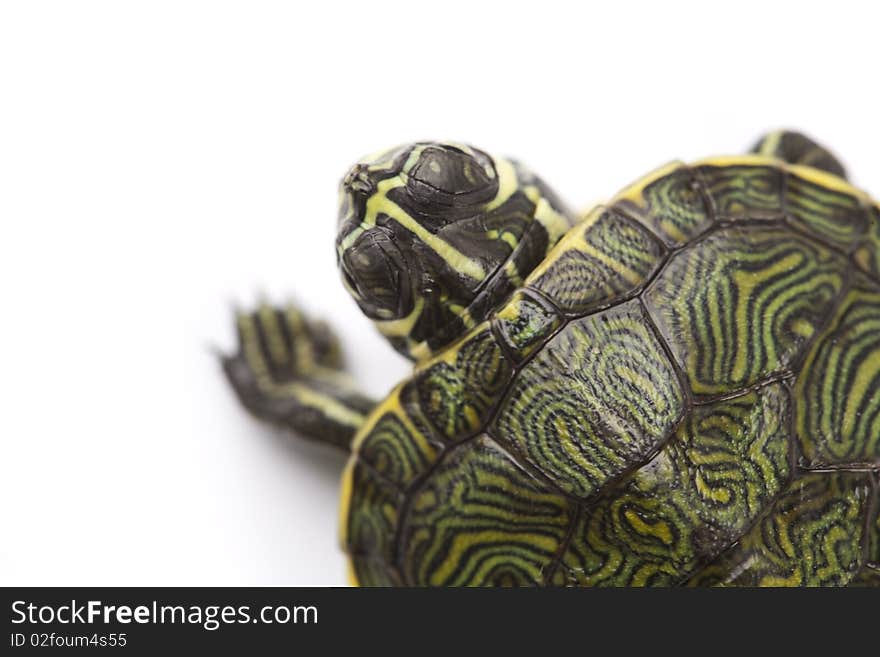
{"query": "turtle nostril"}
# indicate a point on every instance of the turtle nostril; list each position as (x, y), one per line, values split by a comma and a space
(359, 181)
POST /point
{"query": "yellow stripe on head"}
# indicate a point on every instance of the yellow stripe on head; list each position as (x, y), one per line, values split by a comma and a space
(379, 203)
(435, 236)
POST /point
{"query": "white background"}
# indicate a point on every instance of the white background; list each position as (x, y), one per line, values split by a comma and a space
(159, 160)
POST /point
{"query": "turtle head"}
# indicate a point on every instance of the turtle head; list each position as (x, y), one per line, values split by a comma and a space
(435, 236)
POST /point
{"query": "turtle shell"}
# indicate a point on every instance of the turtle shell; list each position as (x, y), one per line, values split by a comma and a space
(687, 391)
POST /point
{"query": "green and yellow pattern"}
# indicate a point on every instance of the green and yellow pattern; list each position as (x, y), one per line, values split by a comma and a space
(739, 305)
(584, 414)
(867, 254)
(606, 257)
(457, 391)
(813, 536)
(482, 519)
(713, 479)
(825, 206)
(838, 391)
(669, 201)
(686, 390)
(744, 187)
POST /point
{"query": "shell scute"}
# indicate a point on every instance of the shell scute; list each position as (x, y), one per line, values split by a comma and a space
(597, 263)
(458, 390)
(525, 323)
(709, 483)
(811, 537)
(838, 389)
(740, 305)
(671, 201)
(834, 212)
(599, 398)
(480, 519)
(751, 188)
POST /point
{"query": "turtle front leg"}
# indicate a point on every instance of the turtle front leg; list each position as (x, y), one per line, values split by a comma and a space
(288, 371)
(796, 148)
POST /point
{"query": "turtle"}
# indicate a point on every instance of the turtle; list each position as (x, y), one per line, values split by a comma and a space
(680, 387)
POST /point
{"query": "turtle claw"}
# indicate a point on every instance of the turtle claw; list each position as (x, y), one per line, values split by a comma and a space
(283, 344)
(288, 371)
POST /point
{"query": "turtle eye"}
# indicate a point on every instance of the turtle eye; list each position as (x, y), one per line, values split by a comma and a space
(446, 176)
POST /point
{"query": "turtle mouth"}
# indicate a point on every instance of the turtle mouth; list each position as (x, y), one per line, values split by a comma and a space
(376, 274)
